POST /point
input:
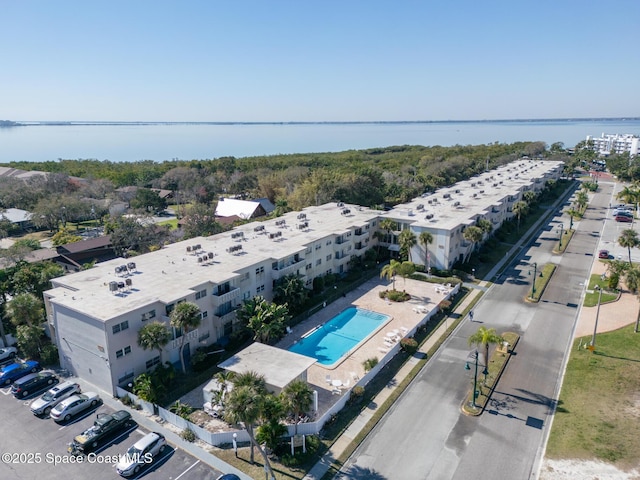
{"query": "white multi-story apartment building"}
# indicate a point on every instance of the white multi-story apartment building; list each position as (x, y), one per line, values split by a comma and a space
(617, 143)
(95, 315)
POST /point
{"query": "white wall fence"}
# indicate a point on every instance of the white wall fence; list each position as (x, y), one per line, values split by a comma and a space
(308, 428)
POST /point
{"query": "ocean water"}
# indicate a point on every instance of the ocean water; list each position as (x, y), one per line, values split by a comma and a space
(188, 141)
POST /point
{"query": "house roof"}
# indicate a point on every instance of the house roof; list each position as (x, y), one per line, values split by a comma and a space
(266, 204)
(279, 367)
(16, 215)
(85, 245)
(242, 208)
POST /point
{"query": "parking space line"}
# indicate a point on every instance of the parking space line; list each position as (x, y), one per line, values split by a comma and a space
(197, 462)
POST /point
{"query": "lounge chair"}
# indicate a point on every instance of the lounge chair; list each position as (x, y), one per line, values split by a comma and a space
(328, 379)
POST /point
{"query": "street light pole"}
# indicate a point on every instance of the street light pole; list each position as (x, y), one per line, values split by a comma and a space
(561, 230)
(595, 327)
(533, 282)
(475, 379)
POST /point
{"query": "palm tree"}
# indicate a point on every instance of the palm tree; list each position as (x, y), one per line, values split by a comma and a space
(245, 405)
(529, 196)
(633, 279)
(582, 199)
(388, 226)
(472, 235)
(519, 209)
(629, 239)
(573, 214)
(407, 240)
(485, 225)
(628, 195)
(297, 398)
(389, 271)
(268, 321)
(154, 336)
(290, 290)
(425, 239)
(483, 337)
(185, 317)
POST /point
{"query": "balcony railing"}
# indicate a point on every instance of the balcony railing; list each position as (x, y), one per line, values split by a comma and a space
(219, 299)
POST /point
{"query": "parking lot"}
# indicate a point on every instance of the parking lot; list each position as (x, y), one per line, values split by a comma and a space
(33, 447)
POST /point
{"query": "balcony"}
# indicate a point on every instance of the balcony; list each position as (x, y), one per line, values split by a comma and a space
(219, 299)
(288, 269)
(191, 336)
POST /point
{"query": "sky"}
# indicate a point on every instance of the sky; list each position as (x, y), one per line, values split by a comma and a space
(324, 60)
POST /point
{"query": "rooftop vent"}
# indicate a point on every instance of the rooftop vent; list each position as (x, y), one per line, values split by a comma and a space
(113, 287)
(301, 216)
(345, 211)
(420, 206)
(259, 228)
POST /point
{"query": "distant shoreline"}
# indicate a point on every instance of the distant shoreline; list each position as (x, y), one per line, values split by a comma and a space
(29, 123)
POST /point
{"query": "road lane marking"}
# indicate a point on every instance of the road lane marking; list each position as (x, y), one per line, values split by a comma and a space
(178, 477)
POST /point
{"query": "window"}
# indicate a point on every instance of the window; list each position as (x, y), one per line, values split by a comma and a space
(120, 326)
(245, 276)
(318, 262)
(259, 289)
(204, 314)
(123, 351)
(201, 294)
(308, 267)
(169, 308)
(259, 270)
(328, 242)
(148, 315)
(246, 295)
(328, 257)
(153, 362)
(318, 246)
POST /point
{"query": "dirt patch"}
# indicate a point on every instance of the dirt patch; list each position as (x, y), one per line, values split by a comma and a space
(584, 470)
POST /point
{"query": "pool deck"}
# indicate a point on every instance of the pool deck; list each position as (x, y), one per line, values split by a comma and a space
(404, 315)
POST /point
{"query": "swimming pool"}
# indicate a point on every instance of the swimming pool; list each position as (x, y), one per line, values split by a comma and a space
(329, 342)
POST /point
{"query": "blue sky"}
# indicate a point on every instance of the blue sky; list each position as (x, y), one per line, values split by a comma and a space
(347, 60)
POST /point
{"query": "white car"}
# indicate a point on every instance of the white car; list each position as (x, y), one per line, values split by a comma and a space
(74, 405)
(141, 453)
(8, 353)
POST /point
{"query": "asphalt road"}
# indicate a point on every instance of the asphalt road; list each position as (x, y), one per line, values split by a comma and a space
(36, 448)
(425, 435)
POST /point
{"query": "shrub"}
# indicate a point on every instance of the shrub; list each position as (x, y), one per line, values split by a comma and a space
(370, 363)
(396, 296)
(49, 354)
(126, 400)
(357, 393)
(188, 435)
(409, 345)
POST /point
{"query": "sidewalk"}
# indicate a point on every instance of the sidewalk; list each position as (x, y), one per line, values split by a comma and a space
(341, 444)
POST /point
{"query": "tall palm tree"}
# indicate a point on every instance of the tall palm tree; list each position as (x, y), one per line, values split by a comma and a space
(245, 406)
(632, 279)
(629, 239)
(426, 239)
(154, 336)
(186, 317)
(389, 271)
(472, 235)
(582, 199)
(407, 240)
(519, 209)
(268, 321)
(484, 337)
(388, 226)
(297, 398)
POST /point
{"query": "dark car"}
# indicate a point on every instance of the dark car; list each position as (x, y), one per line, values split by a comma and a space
(603, 254)
(14, 371)
(32, 383)
(228, 476)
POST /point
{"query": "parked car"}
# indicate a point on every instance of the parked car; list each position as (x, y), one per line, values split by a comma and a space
(603, 254)
(141, 453)
(622, 211)
(53, 396)
(14, 371)
(74, 405)
(624, 218)
(228, 476)
(105, 427)
(8, 353)
(32, 383)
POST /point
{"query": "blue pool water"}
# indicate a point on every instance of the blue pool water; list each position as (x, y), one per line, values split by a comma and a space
(331, 341)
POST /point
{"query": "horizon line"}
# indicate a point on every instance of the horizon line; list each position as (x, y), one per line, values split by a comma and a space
(299, 122)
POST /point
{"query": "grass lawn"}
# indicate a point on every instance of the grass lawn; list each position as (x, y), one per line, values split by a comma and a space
(598, 414)
(591, 297)
(542, 279)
